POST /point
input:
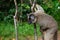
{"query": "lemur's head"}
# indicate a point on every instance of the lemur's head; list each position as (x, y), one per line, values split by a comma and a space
(31, 18)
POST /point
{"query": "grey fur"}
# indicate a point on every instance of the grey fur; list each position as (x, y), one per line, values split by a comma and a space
(48, 25)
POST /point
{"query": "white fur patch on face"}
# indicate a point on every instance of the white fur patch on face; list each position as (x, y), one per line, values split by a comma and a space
(32, 17)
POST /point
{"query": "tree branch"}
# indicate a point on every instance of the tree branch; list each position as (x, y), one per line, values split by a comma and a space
(33, 5)
(31, 2)
(15, 20)
(16, 7)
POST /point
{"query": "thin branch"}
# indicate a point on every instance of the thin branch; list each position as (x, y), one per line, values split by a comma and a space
(21, 12)
(35, 32)
(16, 7)
(31, 2)
(16, 31)
(32, 9)
(21, 6)
(15, 20)
(34, 2)
(33, 5)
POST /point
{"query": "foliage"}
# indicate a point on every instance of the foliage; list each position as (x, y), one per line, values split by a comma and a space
(8, 10)
(24, 30)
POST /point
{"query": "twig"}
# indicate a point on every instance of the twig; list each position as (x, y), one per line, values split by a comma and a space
(35, 32)
(16, 31)
(15, 20)
(16, 7)
(32, 9)
(21, 11)
(31, 2)
(33, 5)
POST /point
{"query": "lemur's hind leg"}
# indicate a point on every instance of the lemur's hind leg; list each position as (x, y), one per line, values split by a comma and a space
(50, 34)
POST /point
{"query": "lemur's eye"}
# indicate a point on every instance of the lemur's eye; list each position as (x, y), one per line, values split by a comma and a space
(32, 17)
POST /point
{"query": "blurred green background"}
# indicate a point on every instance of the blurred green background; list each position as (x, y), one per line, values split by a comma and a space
(7, 11)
